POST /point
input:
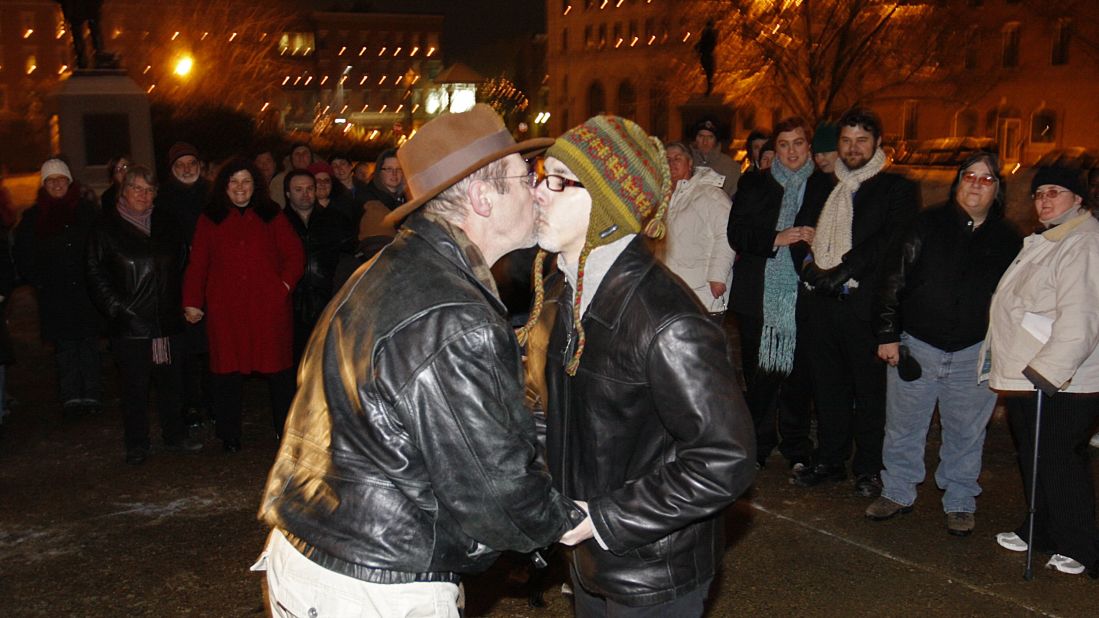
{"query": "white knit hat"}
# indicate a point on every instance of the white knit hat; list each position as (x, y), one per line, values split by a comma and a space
(55, 167)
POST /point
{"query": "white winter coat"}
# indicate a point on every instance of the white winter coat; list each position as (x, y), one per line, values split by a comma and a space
(696, 247)
(1054, 285)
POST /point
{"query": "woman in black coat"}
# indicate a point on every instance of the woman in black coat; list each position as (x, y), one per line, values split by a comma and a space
(50, 244)
(135, 266)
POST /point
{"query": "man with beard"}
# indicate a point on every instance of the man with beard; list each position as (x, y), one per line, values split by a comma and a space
(183, 197)
(867, 210)
(408, 457)
(644, 418)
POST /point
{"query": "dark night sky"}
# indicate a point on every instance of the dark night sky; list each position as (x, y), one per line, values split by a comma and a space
(474, 31)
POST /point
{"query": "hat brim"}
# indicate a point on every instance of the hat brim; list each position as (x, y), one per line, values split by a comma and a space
(533, 146)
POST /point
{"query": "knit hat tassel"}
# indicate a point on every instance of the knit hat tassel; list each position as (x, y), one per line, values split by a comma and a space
(523, 334)
(581, 337)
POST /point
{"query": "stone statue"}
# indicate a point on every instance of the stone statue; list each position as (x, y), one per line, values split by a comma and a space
(80, 12)
(707, 42)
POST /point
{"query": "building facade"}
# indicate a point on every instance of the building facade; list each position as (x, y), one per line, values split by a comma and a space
(1027, 77)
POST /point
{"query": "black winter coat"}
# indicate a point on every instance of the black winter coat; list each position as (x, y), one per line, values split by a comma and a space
(652, 431)
(7, 284)
(884, 205)
(324, 238)
(54, 265)
(408, 454)
(752, 232)
(184, 203)
(135, 280)
(939, 280)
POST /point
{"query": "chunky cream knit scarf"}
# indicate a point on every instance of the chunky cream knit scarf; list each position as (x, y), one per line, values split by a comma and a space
(833, 237)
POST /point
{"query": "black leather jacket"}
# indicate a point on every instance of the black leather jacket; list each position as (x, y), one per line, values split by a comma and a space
(939, 281)
(135, 280)
(324, 238)
(652, 431)
(408, 454)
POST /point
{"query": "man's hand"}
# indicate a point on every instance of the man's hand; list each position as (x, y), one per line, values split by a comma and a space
(582, 532)
(890, 353)
(192, 314)
(717, 288)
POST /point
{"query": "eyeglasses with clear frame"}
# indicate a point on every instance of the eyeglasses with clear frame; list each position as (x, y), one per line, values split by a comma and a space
(532, 178)
(981, 180)
(1048, 194)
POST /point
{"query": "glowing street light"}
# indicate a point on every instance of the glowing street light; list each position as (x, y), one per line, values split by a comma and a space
(183, 66)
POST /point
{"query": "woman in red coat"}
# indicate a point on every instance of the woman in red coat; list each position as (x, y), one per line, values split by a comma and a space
(245, 261)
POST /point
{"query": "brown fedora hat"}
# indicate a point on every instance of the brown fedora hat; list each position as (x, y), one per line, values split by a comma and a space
(451, 147)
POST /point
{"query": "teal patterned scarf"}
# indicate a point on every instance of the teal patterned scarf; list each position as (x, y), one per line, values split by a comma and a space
(780, 280)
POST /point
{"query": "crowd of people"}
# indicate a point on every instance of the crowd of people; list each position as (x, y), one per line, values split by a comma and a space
(197, 282)
(417, 441)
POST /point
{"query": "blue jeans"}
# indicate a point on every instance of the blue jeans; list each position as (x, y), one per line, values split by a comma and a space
(964, 409)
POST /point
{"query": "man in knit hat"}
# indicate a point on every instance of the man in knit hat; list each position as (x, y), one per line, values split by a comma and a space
(646, 423)
(706, 152)
(826, 147)
(408, 457)
(866, 212)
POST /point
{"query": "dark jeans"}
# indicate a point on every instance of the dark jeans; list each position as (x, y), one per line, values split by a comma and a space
(228, 392)
(1064, 513)
(79, 375)
(136, 373)
(588, 605)
(195, 358)
(776, 399)
(848, 384)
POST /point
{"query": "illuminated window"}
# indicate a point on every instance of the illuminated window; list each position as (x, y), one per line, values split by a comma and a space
(31, 64)
(588, 43)
(297, 43)
(1043, 127)
(602, 36)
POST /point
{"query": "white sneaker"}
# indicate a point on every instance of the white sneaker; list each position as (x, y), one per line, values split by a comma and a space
(1065, 564)
(1012, 541)
(1094, 442)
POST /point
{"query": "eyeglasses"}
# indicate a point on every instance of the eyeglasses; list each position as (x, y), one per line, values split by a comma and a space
(142, 190)
(532, 178)
(1048, 194)
(121, 167)
(983, 180)
(558, 183)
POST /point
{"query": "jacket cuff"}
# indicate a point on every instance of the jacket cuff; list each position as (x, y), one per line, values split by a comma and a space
(1040, 381)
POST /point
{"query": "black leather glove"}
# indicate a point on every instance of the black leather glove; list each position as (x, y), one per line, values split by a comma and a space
(826, 282)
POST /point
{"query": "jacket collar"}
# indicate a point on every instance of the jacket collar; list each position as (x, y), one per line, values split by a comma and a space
(619, 284)
(454, 246)
(1058, 233)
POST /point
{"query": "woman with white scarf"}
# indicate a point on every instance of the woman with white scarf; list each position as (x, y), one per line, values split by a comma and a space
(1043, 347)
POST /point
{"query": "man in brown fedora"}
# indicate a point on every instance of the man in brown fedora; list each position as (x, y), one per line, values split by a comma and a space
(408, 457)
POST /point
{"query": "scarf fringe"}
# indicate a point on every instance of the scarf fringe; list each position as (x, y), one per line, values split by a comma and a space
(776, 350)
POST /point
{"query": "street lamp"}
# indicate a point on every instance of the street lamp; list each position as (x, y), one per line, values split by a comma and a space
(183, 66)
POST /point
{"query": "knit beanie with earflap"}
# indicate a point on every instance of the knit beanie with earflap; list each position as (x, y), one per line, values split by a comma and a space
(626, 172)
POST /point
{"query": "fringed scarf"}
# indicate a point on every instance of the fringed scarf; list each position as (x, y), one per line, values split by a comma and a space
(162, 351)
(780, 280)
(833, 236)
(54, 213)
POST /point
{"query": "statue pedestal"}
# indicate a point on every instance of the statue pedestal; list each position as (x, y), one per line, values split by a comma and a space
(700, 106)
(96, 115)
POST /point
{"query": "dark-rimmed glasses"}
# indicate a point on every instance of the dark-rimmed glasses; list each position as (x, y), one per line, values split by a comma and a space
(982, 180)
(557, 183)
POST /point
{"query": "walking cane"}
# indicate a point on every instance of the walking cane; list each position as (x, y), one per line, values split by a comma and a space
(1028, 574)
